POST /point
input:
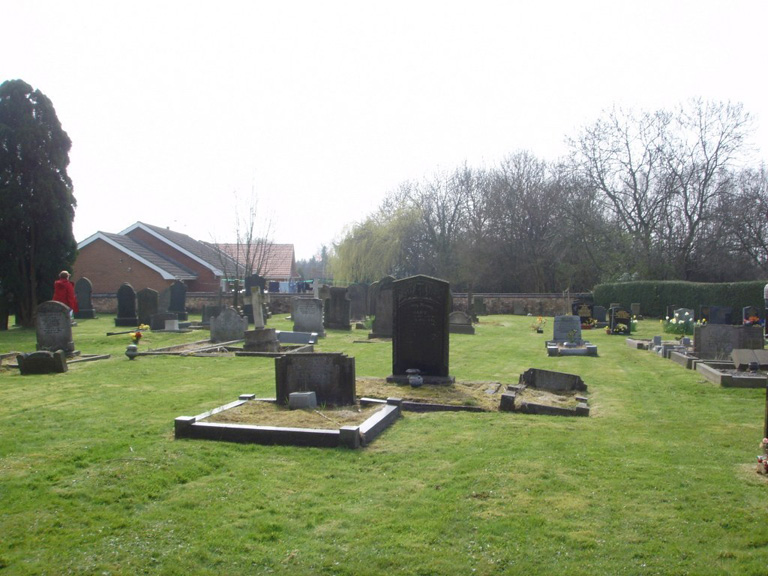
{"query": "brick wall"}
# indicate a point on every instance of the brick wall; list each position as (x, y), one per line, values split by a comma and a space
(107, 268)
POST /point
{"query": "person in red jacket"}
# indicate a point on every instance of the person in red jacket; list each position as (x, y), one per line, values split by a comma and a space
(64, 291)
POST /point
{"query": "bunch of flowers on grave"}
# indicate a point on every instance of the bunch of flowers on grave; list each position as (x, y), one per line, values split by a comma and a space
(135, 337)
(681, 324)
(588, 324)
(538, 325)
(762, 459)
(752, 321)
(621, 329)
(143, 327)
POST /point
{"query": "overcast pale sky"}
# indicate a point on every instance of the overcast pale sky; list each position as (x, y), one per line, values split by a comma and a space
(322, 107)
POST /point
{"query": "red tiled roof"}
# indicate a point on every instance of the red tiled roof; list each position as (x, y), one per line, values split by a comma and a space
(273, 261)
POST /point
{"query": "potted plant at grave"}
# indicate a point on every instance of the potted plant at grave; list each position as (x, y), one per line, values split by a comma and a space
(133, 348)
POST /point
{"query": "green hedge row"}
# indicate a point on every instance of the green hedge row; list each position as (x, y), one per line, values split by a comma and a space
(654, 297)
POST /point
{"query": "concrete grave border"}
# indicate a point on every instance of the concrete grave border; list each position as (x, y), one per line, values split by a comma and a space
(346, 436)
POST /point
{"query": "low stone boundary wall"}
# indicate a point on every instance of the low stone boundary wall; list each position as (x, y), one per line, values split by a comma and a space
(280, 303)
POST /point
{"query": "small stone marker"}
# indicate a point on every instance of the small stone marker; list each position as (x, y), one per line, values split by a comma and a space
(302, 400)
(54, 328)
(261, 340)
(158, 321)
(460, 323)
(331, 376)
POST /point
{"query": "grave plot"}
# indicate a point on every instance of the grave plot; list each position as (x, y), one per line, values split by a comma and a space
(746, 370)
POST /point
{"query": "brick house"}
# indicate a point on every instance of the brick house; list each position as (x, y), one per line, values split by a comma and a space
(148, 256)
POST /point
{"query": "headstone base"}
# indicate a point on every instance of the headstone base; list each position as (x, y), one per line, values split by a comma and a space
(438, 380)
(42, 362)
(89, 314)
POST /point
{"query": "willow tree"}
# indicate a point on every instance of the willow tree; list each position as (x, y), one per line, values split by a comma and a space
(37, 206)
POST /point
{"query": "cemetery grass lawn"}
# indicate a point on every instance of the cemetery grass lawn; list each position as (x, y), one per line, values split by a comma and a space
(659, 480)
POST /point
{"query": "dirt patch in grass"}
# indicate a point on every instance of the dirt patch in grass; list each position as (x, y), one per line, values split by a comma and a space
(481, 394)
(261, 413)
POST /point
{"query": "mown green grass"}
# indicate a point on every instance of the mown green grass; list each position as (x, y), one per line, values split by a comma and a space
(660, 480)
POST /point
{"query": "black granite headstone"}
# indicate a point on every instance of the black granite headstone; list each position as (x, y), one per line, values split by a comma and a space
(178, 301)
(420, 328)
(126, 306)
(83, 293)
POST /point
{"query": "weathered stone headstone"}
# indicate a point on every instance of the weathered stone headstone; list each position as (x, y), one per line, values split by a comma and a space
(566, 329)
(54, 328)
(261, 340)
(157, 321)
(478, 304)
(635, 309)
(209, 311)
(357, 294)
(228, 326)
(84, 293)
(126, 306)
(620, 321)
(178, 300)
(148, 302)
(598, 313)
(307, 314)
(373, 295)
(42, 362)
(460, 323)
(717, 341)
(337, 309)
(716, 314)
(420, 331)
(330, 376)
(382, 321)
